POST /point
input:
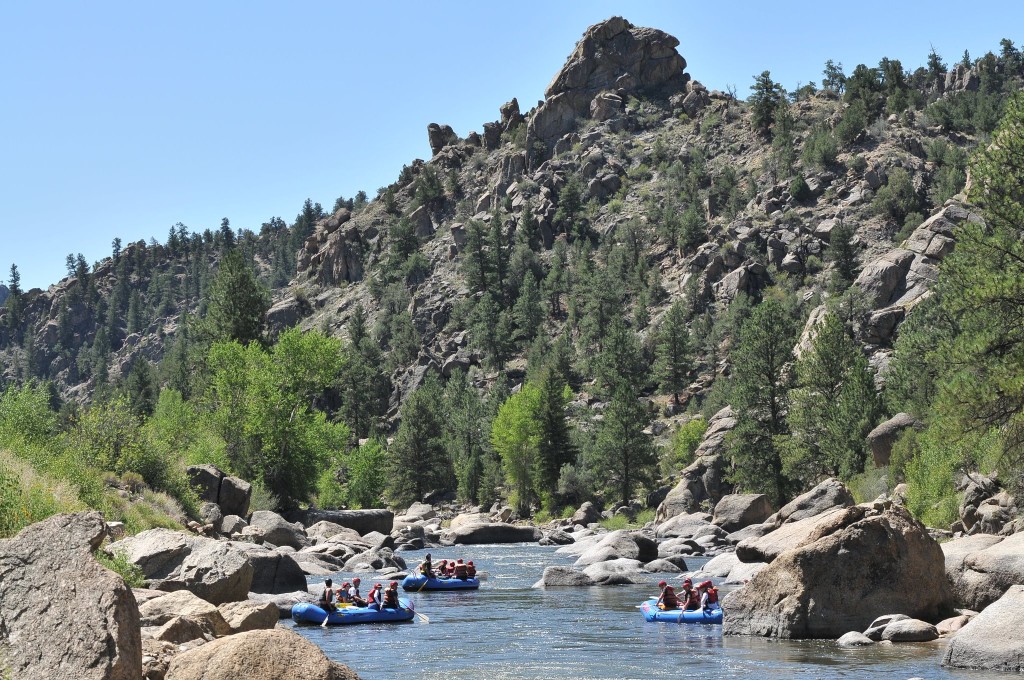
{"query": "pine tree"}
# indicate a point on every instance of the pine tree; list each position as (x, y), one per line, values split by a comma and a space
(418, 461)
(238, 302)
(833, 407)
(842, 253)
(466, 437)
(765, 98)
(760, 397)
(623, 454)
(527, 313)
(672, 369)
(477, 265)
(554, 446)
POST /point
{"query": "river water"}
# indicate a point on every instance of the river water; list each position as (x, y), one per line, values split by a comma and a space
(508, 629)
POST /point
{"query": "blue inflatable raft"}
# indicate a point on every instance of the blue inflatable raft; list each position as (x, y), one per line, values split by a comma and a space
(651, 613)
(419, 582)
(304, 612)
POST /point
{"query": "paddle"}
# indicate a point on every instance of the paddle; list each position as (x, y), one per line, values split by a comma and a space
(327, 616)
(422, 616)
(425, 579)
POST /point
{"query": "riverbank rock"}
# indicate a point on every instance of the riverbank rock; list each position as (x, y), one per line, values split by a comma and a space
(245, 616)
(216, 571)
(684, 526)
(183, 604)
(273, 571)
(556, 537)
(278, 531)
(827, 495)
(258, 655)
(586, 514)
(982, 567)
(885, 562)
(617, 572)
(48, 569)
(363, 521)
(796, 534)
(556, 577)
(231, 494)
(483, 531)
(993, 639)
(736, 511)
(631, 545)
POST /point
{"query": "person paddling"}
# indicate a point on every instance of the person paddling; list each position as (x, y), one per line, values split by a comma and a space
(426, 568)
(668, 598)
(376, 597)
(690, 597)
(391, 596)
(354, 595)
(327, 598)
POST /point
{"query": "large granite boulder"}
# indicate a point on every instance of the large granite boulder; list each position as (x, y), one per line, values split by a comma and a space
(621, 571)
(842, 581)
(258, 655)
(612, 55)
(363, 521)
(273, 571)
(994, 638)
(482, 531)
(245, 616)
(796, 534)
(684, 525)
(279, 531)
(986, 569)
(736, 511)
(829, 494)
(184, 605)
(217, 571)
(586, 514)
(562, 576)
(622, 543)
(884, 436)
(48, 568)
(232, 494)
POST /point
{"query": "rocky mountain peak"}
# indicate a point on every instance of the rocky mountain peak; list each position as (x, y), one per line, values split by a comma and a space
(612, 57)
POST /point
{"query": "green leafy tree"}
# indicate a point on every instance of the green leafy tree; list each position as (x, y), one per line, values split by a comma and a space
(672, 368)
(266, 407)
(515, 436)
(760, 395)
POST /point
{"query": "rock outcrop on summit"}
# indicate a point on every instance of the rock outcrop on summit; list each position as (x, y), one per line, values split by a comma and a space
(612, 56)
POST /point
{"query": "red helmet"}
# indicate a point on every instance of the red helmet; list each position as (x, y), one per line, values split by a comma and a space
(687, 582)
(356, 580)
(393, 584)
(459, 561)
(470, 562)
(662, 584)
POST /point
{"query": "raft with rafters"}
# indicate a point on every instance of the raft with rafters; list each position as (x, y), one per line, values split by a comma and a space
(652, 612)
(306, 612)
(417, 582)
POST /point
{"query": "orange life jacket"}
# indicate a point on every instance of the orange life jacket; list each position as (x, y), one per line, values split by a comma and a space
(669, 598)
(471, 571)
(461, 572)
(712, 595)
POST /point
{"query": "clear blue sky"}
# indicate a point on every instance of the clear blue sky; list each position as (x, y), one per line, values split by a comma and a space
(122, 118)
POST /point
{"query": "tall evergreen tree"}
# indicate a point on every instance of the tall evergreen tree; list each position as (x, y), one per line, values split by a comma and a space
(760, 396)
(238, 302)
(554, 445)
(672, 369)
(417, 459)
(833, 407)
(466, 437)
(623, 453)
